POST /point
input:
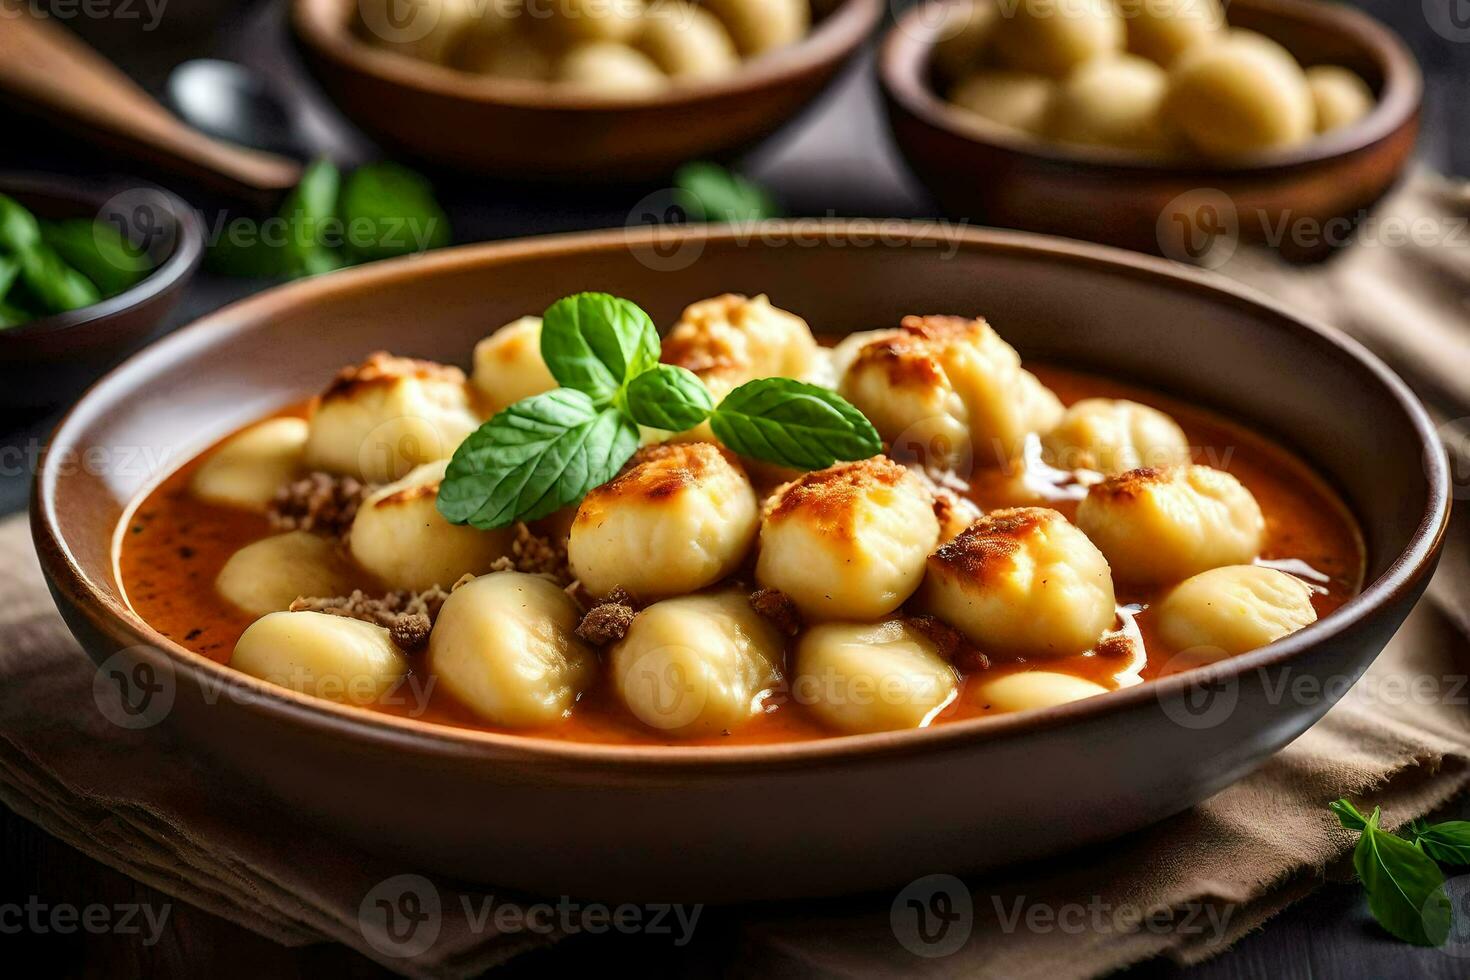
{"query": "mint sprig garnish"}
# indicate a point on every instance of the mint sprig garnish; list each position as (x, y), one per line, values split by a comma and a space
(547, 451)
(1405, 886)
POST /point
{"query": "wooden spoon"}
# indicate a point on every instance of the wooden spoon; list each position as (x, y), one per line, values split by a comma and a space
(48, 71)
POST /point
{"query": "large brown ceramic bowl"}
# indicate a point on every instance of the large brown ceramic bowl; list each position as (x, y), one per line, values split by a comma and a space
(48, 360)
(761, 821)
(1303, 201)
(536, 131)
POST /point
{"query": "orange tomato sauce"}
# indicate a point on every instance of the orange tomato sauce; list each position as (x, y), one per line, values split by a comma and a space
(174, 546)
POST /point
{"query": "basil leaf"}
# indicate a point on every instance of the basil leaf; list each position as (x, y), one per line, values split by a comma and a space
(594, 343)
(19, 229)
(669, 397)
(535, 457)
(1447, 842)
(709, 192)
(99, 252)
(310, 214)
(795, 424)
(49, 285)
(1348, 815)
(244, 251)
(1405, 887)
(9, 271)
(12, 316)
(389, 210)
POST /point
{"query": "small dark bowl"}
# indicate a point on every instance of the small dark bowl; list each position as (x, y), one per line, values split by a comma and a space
(47, 360)
(721, 823)
(535, 131)
(1321, 188)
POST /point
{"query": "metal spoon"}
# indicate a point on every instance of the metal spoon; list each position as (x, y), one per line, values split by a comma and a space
(230, 102)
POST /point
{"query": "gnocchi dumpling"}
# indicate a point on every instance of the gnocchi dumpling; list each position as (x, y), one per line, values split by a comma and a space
(697, 665)
(1239, 95)
(1022, 582)
(963, 38)
(505, 645)
(687, 42)
(848, 542)
(610, 68)
(594, 20)
(382, 418)
(682, 517)
(426, 29)
(1162, 30)
(326, 656)
(1158, 525)
(503, 54)
(1230, 610)
(1114, 102)
(400, 537)
(1029, 689)
(1051, 37)
(1016, 99)
(1114, 435)
(731, 339)
(508, 365)
(760, 25)
(248, 468)
(270, 574)
(1339, 96)
(871, 677)
(948, 391)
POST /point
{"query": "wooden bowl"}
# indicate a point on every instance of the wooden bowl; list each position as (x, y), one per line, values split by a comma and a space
(46, 361)
(720, 823)
(535, 131)
(1316, 192)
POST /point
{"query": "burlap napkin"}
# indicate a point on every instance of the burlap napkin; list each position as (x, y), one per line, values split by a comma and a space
(142, 802)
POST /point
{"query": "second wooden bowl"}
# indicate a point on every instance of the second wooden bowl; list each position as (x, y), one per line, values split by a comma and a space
(1302, 202)
(537, 131)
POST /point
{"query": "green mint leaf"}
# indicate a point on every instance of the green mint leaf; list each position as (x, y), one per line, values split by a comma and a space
(310, 217)
(390, 210)
(535, 457)
(49, 285)
(595, 343)
(709, 192)
(98, 251)
(1405, 887)
(1447, 842)
(1348, 815)
(19, 229)
(669, 397)
(792, 423)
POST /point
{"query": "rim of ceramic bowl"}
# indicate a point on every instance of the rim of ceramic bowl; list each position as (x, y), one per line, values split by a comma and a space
(903, 64)
(116, 620)
(321, 25)
(182, 260)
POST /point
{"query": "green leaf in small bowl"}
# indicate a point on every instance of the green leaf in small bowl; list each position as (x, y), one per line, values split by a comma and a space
(594, 343)
(795, 424)
(709, 192)
(310, 221)
(19, 229)
(669, 397)
(48, 284)
(389, 210)
(535, 457)
(99, 252)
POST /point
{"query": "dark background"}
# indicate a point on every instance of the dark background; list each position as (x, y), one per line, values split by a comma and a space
(836, 159)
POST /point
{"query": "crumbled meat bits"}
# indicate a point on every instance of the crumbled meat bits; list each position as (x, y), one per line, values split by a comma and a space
(408, 616)
(318, 502)
(608, 621)
(777, 607)
(535, 555)
(953, 645)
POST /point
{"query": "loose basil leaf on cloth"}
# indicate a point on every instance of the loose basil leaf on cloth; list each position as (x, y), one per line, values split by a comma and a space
(389, 210)
(19, 229)
(535, 457)
(1447, 842)
(309, 212)
(792, 423)
(709, 192)
(669, 397)
(595, 343)
(98, 251)
(1405, 887)
(48, 284)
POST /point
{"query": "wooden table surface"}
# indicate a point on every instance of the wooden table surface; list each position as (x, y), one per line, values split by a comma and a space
(837, 160)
